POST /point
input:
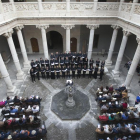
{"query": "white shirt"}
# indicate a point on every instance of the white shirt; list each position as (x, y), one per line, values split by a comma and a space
(36, 109)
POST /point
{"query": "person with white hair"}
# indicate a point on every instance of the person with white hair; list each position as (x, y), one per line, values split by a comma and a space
(33, 134)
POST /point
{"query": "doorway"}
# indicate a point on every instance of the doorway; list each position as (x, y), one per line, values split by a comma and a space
(34, 43)
(73, 44)
(55, 41)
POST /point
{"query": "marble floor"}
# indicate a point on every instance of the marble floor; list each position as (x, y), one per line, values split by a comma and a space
(83, 129)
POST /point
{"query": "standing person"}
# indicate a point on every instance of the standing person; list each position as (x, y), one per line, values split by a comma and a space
(52, 63)
(47, 72)
(86, 62)
(102, 63)
(32, 75)
(73, 72)
(91, 62)
(95, 72)
(79, 55)
(72, 63)
(70, 56)
(84, 71)
(66, 62)
(63, 71)
(97, 62)
(90, 72)
(33, 65)
(81, 62)
(76, 63)
(37, 63)
(56, 62)
(37, 73)
(52, 56)
(79, 72)
(57, 56)
(42, 62)
(58, 72)
(62, 62)
(68, 72)
(101, 73)
(47, 62)
(52, 73)
(42, 72)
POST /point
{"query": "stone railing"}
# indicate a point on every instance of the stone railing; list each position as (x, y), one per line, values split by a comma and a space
(128, 11)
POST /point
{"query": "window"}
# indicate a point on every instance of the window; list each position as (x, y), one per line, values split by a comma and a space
(60, 0)
(77, 0)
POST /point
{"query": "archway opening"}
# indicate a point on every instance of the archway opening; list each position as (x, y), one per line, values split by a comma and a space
(73, 44)
(55, 41)
(34, 43)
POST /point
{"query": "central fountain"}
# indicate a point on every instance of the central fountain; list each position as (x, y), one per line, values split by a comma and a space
(70, 92)
(70, 103)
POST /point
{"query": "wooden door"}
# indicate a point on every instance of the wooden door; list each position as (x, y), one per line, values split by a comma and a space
(84, 46)
(73, 45)
(34, 43)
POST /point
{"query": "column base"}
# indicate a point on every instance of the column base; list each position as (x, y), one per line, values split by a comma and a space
(115, 73)
(20, 76)
(11, 92)
(108, 63)
(26, 64)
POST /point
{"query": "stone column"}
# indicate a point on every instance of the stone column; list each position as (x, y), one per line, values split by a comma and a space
(133, 65)
(95, 5)
(5, 76)
(44, 39)
(68, 27)
(68, 7)
(40, 5)
(121, 52)
(91, 39)
(26, 62)
(112, 45)
(20, 74)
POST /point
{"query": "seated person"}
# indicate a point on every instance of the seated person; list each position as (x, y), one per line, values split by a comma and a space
(13, 110)
(36, 100)
(22, 121)
(137, 99)
(99, 90)
(124, 105)
(118, 95)
(9, 100)
(24, 134)
(103, 118)
(122, 88)
(112, 105)
(28, 100)
(111, 117)
(100, 98)
(29, 109)
(16, 99)
(5, 111)
(100, 130)
(35, 108)
(4, 135)
(104, 107)
(29, 119)
(123, 128)
(132, 129)
(125, 94)
(106, 89)
(36, 120)
(118, 116)
(125, 116)
(111, 89)
(3, 103)
(41, 131)
(16, 134)
(108, 129)
(33, 134)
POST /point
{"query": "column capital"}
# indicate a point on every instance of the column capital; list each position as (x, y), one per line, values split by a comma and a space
(42, 26)
(20, 27)
(68, 26)
(126, 33)
(138, 40)
(8, 34)
(93, 26)
(115, 27)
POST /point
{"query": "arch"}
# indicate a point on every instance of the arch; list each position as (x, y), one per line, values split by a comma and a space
(55, 40)
(34, 44)
(73, 44)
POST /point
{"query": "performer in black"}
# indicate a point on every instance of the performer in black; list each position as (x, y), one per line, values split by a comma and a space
(102, 63)
(52, 56)
(63, 71)
(47, 63)
(56, 62)
(33, 65)
(81, 62)
(86, 62)
(62, 62)
(47, 72)
(42, 62)
(84, 71)
(76, 63)
(52, 73)
(32, 75)
(73, 72)
(79, 72)
(72, 63)
(37, 63)
(90, 71)
(68, 71)
(101, 73)
(97, 62)
(52, 63)
(91, 62)
(95, 72)
(66, 62)
(58, 72)
(37, 73)
(42, 72)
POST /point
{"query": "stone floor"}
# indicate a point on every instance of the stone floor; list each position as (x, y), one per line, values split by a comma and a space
(83, 129)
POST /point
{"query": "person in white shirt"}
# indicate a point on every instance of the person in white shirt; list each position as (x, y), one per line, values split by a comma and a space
(35, 108)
